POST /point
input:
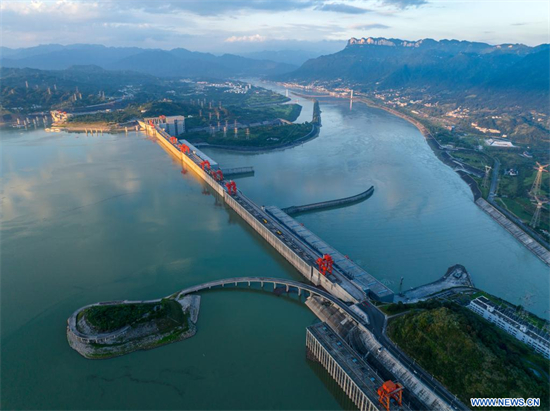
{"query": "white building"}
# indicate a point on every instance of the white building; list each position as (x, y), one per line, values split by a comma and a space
(506, 320)
(498, 143)
(173, 125)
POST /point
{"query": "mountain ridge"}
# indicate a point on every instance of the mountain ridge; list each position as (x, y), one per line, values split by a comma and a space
(158, 62)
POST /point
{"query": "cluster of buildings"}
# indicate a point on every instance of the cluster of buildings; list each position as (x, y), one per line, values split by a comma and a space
(486, 130)
(509, 322)
(458, 113)
(232, 87)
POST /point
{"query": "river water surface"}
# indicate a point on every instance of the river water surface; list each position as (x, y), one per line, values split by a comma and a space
(97, 218)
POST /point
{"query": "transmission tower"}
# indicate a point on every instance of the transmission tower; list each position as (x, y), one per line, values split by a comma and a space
(536, 217)
(538, 179)
(485, 182)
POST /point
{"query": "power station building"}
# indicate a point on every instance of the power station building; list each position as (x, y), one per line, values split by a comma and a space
(173, 125)
(506, 320)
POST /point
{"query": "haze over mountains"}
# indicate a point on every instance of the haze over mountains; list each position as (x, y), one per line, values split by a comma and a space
(507, 74)
(177, 62)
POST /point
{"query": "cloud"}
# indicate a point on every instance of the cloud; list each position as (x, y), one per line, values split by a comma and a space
(404, 4)
(213, 7)
(519, 24)
(256, 38)
(342, 8)
(369, 26)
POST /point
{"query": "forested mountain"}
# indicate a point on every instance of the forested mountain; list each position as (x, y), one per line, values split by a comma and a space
(448, 66)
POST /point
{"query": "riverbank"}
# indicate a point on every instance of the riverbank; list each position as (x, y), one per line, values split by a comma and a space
(495, 212)
(138, 325)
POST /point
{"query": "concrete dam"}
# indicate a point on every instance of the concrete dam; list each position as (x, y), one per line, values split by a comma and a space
(318, 262)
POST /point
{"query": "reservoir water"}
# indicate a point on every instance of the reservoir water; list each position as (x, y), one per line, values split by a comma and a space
(97, 218)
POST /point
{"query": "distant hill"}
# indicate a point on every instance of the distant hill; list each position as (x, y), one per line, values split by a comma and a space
(32, 88)
(447, 66)
(169, 63)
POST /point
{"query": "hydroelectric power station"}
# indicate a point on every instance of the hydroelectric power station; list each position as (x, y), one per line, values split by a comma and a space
(340, 298)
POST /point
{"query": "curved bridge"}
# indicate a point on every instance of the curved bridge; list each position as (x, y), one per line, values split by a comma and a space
(301, 287)
(235, 281)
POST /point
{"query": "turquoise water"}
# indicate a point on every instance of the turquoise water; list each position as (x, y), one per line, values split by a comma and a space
(88, 219)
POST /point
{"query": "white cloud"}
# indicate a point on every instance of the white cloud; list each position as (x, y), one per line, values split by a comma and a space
(256, 38)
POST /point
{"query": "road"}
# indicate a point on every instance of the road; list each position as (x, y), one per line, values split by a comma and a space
(377, 326)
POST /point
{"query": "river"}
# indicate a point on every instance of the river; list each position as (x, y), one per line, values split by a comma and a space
(96, 218)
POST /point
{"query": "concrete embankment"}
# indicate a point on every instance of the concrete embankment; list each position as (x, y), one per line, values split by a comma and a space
(238, 171)
(456, 277)
(144, 335)
(516, 231)
(325, 205)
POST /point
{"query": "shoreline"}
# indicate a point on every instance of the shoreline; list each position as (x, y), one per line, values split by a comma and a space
(519, 233)
(132, 337)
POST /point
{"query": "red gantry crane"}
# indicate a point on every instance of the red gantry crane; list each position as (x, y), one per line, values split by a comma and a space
(217, 175)
(231, 188)
(325, 264)
(388, 391)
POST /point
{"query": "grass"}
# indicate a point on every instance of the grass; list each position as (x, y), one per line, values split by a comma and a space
(477, 160)
(470, 356)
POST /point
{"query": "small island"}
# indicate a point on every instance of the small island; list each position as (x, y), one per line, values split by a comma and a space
(111, 329)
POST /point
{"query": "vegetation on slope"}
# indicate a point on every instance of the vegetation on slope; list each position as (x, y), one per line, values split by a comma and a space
(107, 318)
(470, 356)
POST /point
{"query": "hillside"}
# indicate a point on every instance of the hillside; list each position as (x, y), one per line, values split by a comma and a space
(449, 68)
(470, 356)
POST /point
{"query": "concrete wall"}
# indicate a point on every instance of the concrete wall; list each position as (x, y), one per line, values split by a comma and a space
(359, 398)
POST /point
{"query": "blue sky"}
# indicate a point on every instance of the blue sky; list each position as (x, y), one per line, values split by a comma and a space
(241, 26)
